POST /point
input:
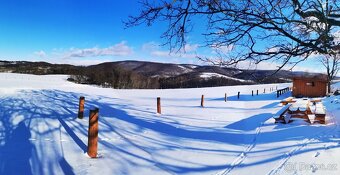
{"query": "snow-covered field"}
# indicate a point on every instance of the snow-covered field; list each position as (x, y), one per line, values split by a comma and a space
(40, 132)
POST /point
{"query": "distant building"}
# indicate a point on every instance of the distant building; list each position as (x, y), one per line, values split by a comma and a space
(309, 86)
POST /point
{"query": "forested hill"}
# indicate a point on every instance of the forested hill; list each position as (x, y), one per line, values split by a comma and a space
(139, 74)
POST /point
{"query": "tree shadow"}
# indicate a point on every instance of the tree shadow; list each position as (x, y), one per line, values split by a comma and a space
(66, 167)
(122, 119)
(27, 134)
(250, 123)
(16, 152)
(75, 138)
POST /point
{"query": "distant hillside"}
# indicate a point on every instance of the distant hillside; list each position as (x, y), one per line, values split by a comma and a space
(38, 68)
(139, 74)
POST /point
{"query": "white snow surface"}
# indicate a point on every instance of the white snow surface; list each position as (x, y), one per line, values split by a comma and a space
(40, 132)
(208, 75)
(185, 69)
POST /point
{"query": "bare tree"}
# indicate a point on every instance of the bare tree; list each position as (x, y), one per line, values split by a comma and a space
(287, 31)
(332, 65)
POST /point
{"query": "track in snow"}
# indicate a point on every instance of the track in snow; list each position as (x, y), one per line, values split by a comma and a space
(241, 157)
(303, 143)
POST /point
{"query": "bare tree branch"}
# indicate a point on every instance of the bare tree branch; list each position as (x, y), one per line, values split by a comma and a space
(258, 30)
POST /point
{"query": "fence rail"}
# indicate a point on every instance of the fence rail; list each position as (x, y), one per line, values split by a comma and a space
(282, 91)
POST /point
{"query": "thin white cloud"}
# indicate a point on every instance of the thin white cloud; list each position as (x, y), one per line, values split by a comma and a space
(80, 62)
(40, 54)
(273, 49)
(336, 36)
(120, 49)
(154, 49)
(190, 47)
(267, 65)
(167, 54)
(159, 53)
(259, 66)
(222, 49)
(150, 46)
(154, 46)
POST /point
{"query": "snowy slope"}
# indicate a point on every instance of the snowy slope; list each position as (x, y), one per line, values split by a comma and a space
(207, 75)
(40, 134)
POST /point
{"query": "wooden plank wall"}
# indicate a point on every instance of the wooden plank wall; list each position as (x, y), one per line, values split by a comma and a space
(300, 87)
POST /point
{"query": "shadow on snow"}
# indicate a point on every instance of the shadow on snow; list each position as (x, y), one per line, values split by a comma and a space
(33, 114)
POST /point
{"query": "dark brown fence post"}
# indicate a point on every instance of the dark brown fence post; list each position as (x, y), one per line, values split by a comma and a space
(252, 93)
(159, 105)
(264, 90)
(81, 107)
(238, 95)
(225, 97)
(92, 145)
(202, 101)
(257, 92)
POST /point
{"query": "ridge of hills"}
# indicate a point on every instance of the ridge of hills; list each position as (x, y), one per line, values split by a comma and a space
(151, 75)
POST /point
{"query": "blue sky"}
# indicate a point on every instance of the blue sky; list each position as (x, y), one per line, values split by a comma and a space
(86, 32)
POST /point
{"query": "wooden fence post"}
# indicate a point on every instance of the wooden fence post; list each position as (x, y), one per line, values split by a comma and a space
(252, 93)
(257, 92)
(225, 97)
(202, 101)
(264, 90)
(92, 145)
(238, 95)
(81, 107)
(159, 105)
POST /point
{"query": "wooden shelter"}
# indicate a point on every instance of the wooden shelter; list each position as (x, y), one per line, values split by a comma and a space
(309, 86)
